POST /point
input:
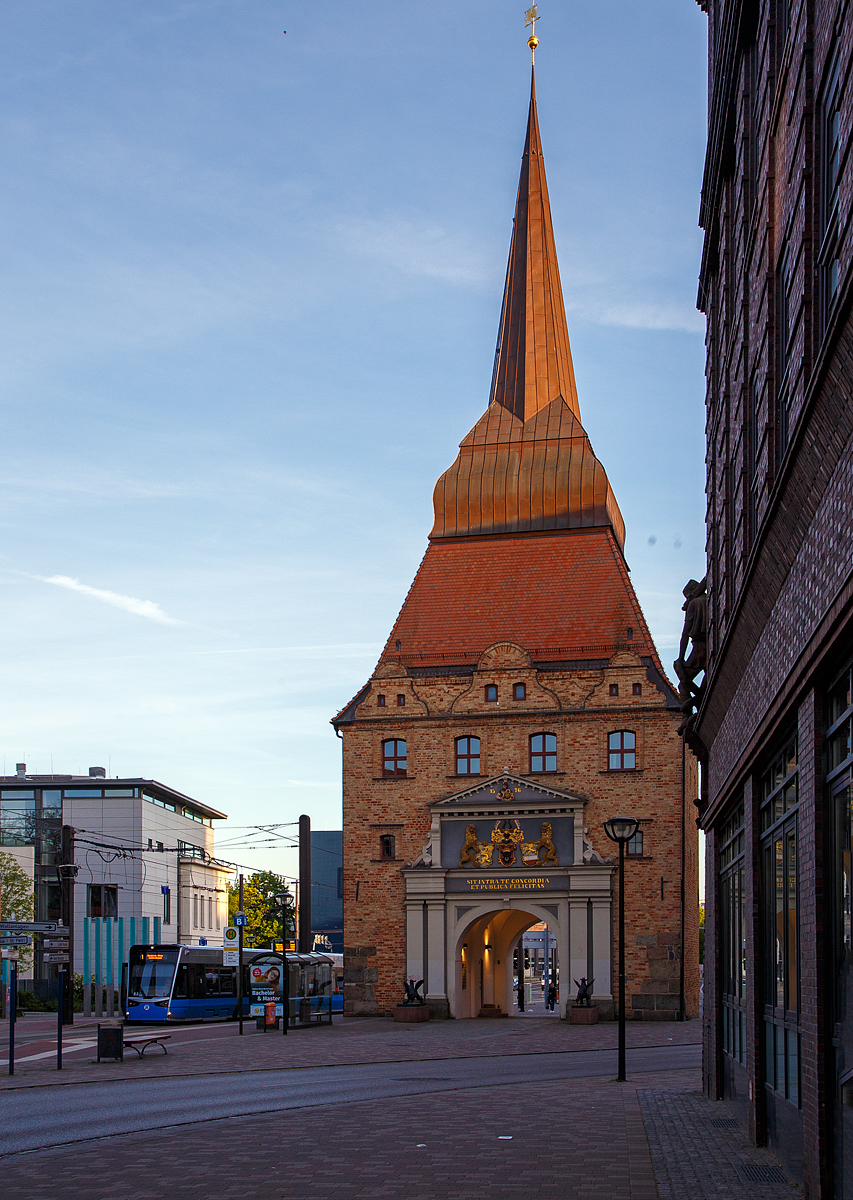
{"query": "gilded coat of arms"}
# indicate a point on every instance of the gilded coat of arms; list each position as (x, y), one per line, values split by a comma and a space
(505, 838)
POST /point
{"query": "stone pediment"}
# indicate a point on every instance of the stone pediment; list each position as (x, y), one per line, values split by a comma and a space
(504, 791)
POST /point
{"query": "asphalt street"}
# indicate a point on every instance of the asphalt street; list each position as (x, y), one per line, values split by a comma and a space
(54, 1116)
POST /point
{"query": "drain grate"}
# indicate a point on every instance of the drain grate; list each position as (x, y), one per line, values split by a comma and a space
(750, 1173)
(723, 1123)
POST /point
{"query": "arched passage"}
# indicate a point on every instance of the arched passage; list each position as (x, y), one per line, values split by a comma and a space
(482, 970)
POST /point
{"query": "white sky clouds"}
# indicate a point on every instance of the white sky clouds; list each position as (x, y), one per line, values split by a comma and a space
(132, 604)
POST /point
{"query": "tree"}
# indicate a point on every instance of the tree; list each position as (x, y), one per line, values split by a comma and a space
(261, 908)
(16, 896)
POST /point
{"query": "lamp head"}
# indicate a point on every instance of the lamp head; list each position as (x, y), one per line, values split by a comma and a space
(621, 829)
(282, 898)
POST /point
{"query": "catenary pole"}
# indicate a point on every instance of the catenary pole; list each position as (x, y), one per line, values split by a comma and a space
(240, 961)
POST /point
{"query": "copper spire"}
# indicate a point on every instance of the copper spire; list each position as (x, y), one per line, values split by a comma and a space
(527, 465)
(533, 360)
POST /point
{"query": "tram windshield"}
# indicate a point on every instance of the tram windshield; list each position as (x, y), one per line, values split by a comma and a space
(151, 974)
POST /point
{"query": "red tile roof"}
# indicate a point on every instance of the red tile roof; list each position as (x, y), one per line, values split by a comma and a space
(563, 595)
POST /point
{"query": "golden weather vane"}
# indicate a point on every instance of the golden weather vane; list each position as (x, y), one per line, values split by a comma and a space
(530, 18)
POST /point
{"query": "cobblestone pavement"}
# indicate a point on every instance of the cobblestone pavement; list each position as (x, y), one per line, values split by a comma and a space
(208, 1048)
(654, 1138)
(687, 1133)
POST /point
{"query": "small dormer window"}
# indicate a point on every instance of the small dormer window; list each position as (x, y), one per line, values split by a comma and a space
(491, 693)
(637, 689)
(614, 689)
(401, 700)
(380, 700)
(519, 691)
(630, 634)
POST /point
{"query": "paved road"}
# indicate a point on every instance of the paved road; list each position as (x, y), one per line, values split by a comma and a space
(52, 1116)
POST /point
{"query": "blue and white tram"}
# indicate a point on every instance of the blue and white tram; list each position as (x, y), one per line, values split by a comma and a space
(189, 983)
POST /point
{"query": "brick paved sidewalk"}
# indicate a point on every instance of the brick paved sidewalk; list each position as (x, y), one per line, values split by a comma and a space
(201, 1048)
(576, 1140)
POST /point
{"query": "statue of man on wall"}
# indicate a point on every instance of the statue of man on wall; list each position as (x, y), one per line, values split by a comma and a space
(695, 630)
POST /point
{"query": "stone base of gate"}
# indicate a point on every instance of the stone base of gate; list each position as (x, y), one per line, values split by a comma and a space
(584, 1015)
(411, 1013)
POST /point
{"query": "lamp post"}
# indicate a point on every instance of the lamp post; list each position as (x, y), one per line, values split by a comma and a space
(621, 830)
(282, 899)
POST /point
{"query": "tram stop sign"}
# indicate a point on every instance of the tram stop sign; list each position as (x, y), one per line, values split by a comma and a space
(231, 938)
(241, 919)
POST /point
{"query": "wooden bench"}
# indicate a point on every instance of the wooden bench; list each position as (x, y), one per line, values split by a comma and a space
(144, 1040)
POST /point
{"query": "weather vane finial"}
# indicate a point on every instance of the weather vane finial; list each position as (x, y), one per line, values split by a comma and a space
(531, 17)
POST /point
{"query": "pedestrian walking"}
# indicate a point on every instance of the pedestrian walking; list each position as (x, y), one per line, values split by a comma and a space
(551, 997)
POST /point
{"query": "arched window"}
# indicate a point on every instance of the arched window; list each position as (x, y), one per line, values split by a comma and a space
(543, 752)
(622, 750)
(468, 756)
(394, 757)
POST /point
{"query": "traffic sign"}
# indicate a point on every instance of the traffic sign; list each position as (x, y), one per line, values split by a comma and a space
(30, 926)
(21, 940)
(230, 936)
(241, 919)
(56, 958)
(55, 944)
(230, 958)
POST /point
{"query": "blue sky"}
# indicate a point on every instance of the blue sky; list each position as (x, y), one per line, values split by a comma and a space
(251, 294)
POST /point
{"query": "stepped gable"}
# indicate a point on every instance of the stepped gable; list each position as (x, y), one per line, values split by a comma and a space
(528, 464)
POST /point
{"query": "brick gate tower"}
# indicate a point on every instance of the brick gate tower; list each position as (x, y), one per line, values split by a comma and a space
(518, 703)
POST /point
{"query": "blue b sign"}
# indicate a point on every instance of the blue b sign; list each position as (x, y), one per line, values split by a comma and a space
(241, 919)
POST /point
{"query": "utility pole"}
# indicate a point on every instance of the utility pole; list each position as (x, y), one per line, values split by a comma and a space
(305, 940)
(67, 872)
(240, 960)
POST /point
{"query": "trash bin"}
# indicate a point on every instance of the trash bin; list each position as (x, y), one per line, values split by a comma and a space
(111, 1042)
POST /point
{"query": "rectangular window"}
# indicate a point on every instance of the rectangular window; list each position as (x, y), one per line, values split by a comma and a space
(380, 700)
(622, 750)
(195, 912)
(543, 753)
(401, 700)
(780, 859)
(394, 757)
(468, 756)
(387, 846)
(491, 693)
(167, 907)
(614, 689)
(733, 935)
(519, 691)
(103, 900)
(634, 847)
(636, 689)
(830, 168)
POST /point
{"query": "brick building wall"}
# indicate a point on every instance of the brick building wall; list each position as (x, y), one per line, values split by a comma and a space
(776, 286)
(578, 707)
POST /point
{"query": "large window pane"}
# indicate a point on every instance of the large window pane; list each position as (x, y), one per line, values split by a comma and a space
(793, 970)
(779, 921)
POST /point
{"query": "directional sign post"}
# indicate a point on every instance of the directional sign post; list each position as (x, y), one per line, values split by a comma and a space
(55, 944)
(21, 940)
(56, 957)
(31, 927)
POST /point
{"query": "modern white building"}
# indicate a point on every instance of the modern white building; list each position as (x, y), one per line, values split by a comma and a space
(144, 854)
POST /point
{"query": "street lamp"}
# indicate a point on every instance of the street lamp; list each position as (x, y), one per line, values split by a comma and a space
(281, 900)
(621, 830)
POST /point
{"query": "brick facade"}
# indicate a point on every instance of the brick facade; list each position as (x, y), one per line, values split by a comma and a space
(777, 202)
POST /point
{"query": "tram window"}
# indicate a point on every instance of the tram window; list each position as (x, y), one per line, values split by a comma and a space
(182, 983)
(227, 981)
(211, 982)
